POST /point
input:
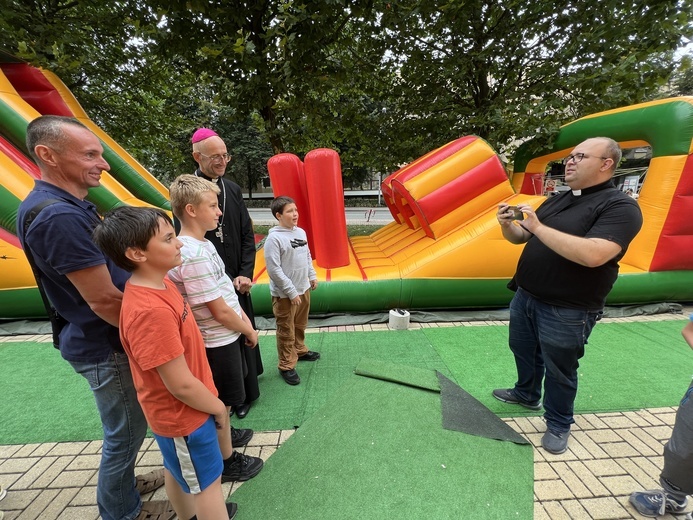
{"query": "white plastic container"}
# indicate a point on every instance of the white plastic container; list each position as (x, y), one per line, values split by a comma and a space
(399, 319)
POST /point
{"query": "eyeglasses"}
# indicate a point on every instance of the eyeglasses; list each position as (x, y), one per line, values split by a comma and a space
(576, 158)
(217, 158)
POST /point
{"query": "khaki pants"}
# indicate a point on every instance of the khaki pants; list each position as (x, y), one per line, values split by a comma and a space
(291, 329)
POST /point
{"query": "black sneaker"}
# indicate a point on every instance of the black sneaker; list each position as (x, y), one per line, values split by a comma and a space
(309, 356)
(231, 509)
(290, 376)
(239, 467)
(507, 395)
(240, 436)
(555, 442)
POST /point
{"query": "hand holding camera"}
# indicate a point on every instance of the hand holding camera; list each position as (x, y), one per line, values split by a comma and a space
(516, 213)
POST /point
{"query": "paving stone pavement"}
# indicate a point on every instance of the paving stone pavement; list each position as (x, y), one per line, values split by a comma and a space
(609, 456)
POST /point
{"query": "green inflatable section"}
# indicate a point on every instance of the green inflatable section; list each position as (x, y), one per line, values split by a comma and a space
(453, 293)
(667, 127)
(133, 181)
(375, 296)
(13, 128)
(8, 210)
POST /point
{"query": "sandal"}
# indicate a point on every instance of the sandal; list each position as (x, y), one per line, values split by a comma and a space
(156, 510)
(149, 481)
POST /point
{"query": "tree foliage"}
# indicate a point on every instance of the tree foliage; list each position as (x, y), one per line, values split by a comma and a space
(382, 82)
(516, 69)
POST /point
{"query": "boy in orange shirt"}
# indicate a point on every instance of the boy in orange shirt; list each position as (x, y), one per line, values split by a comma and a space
(169, 366)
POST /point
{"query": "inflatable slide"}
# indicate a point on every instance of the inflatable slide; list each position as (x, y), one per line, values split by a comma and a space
(25, 93)
(445, 248)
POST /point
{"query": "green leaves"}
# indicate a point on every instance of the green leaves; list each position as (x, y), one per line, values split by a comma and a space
(382, 82)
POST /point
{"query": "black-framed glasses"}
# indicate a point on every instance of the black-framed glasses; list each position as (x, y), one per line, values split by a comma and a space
(577, 157)
(218, 157)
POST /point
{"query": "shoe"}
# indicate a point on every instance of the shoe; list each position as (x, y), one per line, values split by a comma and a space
(290, 376)
(241, 410)
(555, 442)
(239, 467)
(507, 395)
(148, 482)
(231, 509)
(156, 510)
(656, 502)
(309, 356)
(240, 436)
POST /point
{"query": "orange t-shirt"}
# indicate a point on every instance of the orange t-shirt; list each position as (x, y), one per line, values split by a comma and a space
(156, 326)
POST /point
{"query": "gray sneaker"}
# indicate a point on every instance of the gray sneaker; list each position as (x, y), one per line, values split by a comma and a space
(656, 502)
(507, 395)
(555, 442)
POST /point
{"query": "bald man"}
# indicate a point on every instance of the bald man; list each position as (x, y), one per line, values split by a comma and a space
(573, 244)
(234, 240)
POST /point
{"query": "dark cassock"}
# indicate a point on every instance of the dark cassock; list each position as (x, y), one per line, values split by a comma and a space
(234, 240)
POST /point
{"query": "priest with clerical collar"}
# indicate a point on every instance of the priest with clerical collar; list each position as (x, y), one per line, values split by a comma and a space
(573, 243)
(234, 240)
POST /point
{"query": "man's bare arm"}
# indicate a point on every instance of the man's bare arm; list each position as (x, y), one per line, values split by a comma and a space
(97, 289)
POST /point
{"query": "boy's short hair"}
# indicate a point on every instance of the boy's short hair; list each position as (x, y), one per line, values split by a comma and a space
(188, 189)
(279, 203)
(126, 227)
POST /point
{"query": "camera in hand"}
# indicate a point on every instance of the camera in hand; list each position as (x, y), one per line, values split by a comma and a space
(517, 213)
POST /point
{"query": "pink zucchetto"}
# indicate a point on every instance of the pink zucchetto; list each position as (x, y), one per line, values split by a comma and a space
(203, 133)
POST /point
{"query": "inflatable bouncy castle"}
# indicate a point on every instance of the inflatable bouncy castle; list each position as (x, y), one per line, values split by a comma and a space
(25, 93)
(443, 251)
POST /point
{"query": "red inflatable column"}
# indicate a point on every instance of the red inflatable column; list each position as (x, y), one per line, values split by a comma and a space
(288, 179)
(326, 193)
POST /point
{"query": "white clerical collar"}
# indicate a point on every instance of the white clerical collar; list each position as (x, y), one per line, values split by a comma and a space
(577, 193)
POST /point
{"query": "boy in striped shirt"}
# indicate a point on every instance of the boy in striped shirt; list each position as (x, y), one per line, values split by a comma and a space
(203, 282)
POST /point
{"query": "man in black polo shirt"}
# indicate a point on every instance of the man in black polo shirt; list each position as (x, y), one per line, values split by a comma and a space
(568, 266)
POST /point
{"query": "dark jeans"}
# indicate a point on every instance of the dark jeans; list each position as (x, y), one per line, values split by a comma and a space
(547, 342)
(677, 475)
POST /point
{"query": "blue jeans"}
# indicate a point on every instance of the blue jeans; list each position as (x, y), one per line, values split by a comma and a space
(547, 342)
(124, 428)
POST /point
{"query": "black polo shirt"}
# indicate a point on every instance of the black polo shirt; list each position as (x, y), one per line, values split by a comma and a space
(599, 211)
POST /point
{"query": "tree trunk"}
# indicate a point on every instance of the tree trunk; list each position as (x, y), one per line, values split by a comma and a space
(249, 177)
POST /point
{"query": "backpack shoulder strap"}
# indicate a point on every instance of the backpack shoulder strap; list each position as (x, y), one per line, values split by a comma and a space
(57, 321)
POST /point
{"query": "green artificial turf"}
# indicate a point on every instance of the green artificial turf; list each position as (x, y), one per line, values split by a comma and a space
(377, 449)
(627, 366)
(43, 399)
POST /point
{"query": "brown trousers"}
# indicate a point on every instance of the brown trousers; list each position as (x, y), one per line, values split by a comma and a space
(292, 321)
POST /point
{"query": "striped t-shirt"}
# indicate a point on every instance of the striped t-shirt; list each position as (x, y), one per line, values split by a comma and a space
(201, 278)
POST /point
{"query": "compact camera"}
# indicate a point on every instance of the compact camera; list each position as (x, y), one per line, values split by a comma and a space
(517, 213)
